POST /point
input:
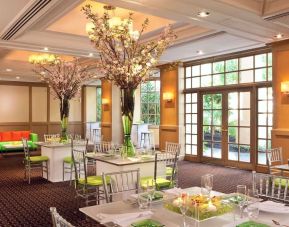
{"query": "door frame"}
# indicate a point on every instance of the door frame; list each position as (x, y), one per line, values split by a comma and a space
(253, 116)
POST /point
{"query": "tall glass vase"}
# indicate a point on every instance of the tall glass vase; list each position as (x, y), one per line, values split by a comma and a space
(64, 114)
(127, 108)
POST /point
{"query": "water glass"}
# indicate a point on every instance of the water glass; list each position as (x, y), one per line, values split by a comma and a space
(143, 202)
(207, 184)
(242, 201)
(253, 211)
(184, 206)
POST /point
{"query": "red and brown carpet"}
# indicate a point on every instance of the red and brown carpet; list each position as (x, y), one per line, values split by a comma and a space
(22, 204)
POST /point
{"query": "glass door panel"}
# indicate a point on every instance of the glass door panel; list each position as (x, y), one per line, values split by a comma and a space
(212, 123)
(239, 126)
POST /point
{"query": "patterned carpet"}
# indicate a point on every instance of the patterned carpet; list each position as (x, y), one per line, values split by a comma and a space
(28, 205)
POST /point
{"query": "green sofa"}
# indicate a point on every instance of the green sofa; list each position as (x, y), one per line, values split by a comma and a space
(12, 140)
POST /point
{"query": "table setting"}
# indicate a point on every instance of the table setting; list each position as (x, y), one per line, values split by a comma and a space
(194, 206)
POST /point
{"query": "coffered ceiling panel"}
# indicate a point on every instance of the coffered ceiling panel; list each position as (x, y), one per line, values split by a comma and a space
(74, 21)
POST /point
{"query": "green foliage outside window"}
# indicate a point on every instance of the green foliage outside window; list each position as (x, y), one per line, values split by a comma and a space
(98, 104)
(150, 102)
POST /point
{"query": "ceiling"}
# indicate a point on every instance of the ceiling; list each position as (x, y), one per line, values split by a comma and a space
(27, 26)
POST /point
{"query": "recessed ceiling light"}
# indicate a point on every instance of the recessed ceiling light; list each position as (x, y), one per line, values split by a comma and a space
(90, 55)
(17, 77)
(8, 70)
(45, 48)
(200, 52)
(203, 14)
(279, 36)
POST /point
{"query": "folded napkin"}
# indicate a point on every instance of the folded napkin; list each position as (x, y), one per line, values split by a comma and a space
(246, 223)
(174, 191)
(122, 219)
(271, 206)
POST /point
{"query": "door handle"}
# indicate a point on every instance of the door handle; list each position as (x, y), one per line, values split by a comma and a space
(224, 130)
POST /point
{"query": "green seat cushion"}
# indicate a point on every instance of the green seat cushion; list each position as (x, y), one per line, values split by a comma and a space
(161, 182)
(283, 182)
(68, 160)
(169, 171)
(39, 158)
(94, 180)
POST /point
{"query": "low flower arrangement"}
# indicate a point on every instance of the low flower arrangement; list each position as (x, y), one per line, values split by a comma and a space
(200, 207)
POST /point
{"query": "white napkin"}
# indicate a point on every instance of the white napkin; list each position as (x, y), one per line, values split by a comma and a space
(122, 219)
(174, 191)
(271, 206)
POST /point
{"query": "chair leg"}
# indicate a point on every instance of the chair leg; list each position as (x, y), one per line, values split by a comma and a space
(63, 170)
(71, 170)
(29, 172)
(47, 170)
(25, 173)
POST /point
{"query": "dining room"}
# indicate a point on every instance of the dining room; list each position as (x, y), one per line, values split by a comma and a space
(144, 113)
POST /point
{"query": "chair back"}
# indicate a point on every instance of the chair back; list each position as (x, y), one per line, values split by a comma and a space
(173, 147)
(274, 156)
(57, 220)
(79, 159)
(104, 147)
(26, 150)
(271, 186)
(51, 137)
(164, 160)
(120, 182)
(96, 135)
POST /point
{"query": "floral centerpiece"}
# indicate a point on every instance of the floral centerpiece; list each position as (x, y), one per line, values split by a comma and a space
(65, 79)
(125, 60)
(202, 207)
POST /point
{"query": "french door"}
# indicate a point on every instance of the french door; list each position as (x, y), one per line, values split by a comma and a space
(226, 128)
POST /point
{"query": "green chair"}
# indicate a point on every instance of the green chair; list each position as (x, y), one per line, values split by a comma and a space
(271, 186)
(57, 220)
(89, 188)
(33, 162)
(172, 148)
(161, 178)
(67, 163)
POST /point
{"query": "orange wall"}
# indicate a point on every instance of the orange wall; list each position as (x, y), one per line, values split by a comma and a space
(106, 117)
(280, 132)
(169, 130)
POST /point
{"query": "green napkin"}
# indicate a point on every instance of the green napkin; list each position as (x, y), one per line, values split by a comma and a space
(147, 223)
(157, 196)
(252, 224)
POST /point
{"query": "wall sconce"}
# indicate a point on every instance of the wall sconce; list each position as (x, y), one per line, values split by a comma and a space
(285, 87)
(168, 96)
(105, 103)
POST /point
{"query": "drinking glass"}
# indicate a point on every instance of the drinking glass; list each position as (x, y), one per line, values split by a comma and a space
(207, 184)
(150, 189)
(242, 201)
(184, 206)
(143, 202)
(253, 211)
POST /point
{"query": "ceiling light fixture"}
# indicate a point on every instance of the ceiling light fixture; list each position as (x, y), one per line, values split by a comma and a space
(203, 14)
(279, 36)
(200, 52)
(90, 55)
(8, 70)
(45, 49)
(17, 77)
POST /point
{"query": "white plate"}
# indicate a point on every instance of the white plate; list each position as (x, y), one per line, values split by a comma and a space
(273, 207)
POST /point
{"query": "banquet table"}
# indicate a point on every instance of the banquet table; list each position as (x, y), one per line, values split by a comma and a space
(171, 219)
(56, 152)
(114, 163)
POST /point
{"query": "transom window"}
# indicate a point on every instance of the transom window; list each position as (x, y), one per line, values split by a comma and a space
(250, 69)
(150, 102)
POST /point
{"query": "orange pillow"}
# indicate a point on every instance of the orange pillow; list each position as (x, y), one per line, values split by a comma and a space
(6, 136)
(0, 136)
(26, 134)
(16, 135)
